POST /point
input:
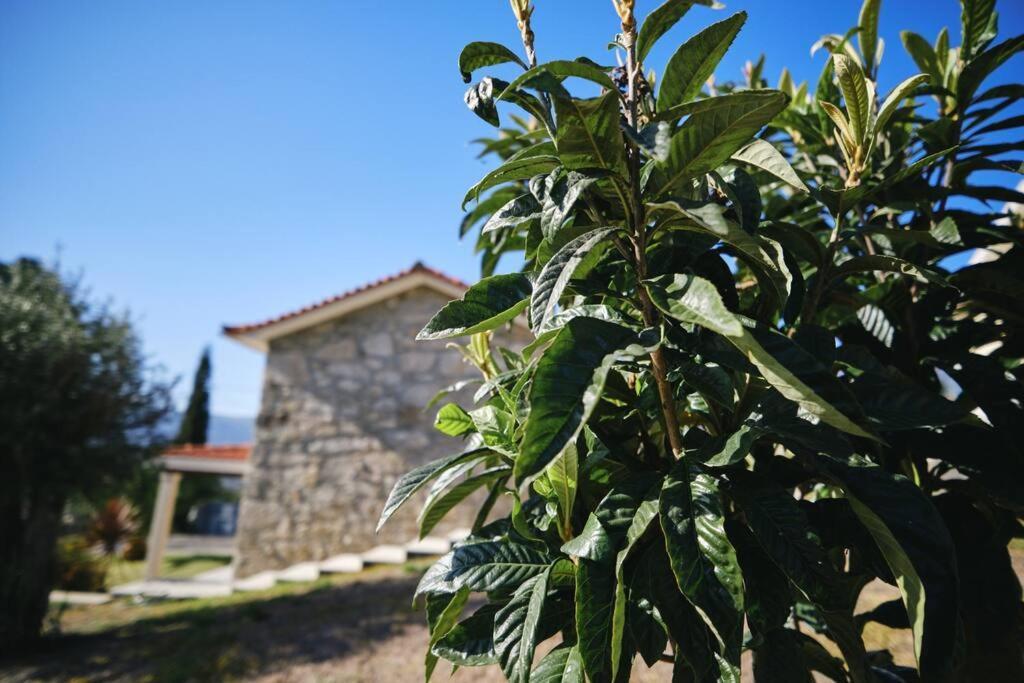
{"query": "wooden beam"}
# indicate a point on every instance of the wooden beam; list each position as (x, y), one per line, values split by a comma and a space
(160, 527)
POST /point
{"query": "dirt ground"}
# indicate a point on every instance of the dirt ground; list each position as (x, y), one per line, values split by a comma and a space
(356, 629)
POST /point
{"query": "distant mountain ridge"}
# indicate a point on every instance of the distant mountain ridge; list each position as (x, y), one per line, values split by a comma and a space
(224, 429)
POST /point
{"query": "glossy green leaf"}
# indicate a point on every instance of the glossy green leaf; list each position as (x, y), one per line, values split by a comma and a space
(855, 94)
(563, 475)
(541, 76)
(895, 98)
(695, 61)
(477, 55)
(919, 551)
(442, 501)
(983, 65)
(516, 628)
(442, 615)
(867, 37)
(495, 565)
(453, 420)
(763, 155)
(588, 133)
(470, 642)
(517, 168)
(562, 665)
(595, 595)
(486, 305)
(710, 219)
(695, 300)
(887, 264)
(709, 138)
(513, 214)
(413, 481)
(702, 557)
(557, 273)
(567, 384)
(660, 20)
(559, 194)
(977, 25)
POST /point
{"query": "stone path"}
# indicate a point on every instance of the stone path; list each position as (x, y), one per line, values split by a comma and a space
(221, 581)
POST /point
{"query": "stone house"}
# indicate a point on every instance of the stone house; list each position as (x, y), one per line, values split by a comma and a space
(342, 417)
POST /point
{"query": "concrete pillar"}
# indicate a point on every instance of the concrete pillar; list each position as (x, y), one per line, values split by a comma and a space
(160, 527)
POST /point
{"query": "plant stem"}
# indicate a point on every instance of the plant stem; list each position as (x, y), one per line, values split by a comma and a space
(638, 230)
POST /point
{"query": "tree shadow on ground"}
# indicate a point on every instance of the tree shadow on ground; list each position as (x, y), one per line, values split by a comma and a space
(220, 641)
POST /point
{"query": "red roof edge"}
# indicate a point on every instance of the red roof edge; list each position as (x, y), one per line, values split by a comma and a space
(418, 267)
(239, 451)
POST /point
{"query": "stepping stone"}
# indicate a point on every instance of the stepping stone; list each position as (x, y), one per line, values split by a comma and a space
(385, 554)
(457, 535)
(303, 571)
(346, 563)
(223, 574)
(128, 589)
(175, 590)
(430, 545)
(79, 598)
(257, 582)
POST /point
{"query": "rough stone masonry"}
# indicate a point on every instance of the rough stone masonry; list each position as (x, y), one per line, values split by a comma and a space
(342, 417)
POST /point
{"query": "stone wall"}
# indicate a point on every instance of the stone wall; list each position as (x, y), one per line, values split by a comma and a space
(342, 417)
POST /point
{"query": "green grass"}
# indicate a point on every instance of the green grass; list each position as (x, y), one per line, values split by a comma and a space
(174, 567)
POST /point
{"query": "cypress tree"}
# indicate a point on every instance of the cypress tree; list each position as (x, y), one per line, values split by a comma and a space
(195, 422)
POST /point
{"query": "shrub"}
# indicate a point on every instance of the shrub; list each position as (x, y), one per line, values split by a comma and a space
(79, 566)
(731, 416)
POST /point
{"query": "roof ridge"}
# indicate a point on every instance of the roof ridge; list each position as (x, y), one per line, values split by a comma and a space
(417, 267)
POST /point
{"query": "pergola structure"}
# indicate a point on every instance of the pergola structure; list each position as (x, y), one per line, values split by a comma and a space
(199, 459)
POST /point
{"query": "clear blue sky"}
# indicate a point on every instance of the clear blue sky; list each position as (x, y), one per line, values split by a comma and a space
(211, 162)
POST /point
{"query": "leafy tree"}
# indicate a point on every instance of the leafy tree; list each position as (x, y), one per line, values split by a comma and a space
(195, 423)
(731, 416)
(78, 410)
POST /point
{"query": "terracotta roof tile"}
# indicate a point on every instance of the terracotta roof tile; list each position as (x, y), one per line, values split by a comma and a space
(418, 267)
(227, 452)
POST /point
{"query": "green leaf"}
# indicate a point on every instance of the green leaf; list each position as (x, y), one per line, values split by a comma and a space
(541, 76)
(495, 565)
(977, 25)
(982, 66)
(516, 212)
(592, 543)
(442, 615)
(516, 168)
(895, 402)
(709, 138)
(588, 133)
(763, 155)
(470, 642)
(645, 514)
(887, 264)
(558, 195)
(780, 658)
(413, 481)
(516, 628)
(595, 595)
(563, 475)
(702, 557)
(477, 55)
(567, 385)
(867, 37)
(710, 219)
(488, 304)
(480, 100)
(695, 61)
(557, 273)
(453, 420)
(442, 501)
(562, 665)
(919, 551)
(923, 54)
(659, 21)
(898, 94)
(695, 300)
(855, 93)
